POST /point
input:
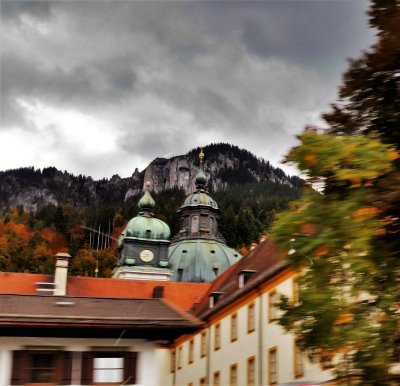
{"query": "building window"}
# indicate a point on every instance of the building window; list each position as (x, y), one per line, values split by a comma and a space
(217, 336)
(41, 366)
(216, 379)
(191, 351)
(195, 224)
(251, 371)
(251, 320)
(203, 344)
(108, 367)
(233, 375)
(273, 366)
(172, 360)
(298, 360)
(272, 310)
(234, 327)
(202, 381)
(179, 359)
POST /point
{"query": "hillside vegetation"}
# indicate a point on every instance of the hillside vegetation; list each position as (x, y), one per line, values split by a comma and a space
(48, 211)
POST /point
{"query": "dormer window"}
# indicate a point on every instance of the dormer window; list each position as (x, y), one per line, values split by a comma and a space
(244, 276)
(214, 297)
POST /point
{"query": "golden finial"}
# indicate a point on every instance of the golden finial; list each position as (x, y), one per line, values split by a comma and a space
(201, 155)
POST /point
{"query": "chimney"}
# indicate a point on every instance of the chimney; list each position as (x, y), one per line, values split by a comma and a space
(61, 274)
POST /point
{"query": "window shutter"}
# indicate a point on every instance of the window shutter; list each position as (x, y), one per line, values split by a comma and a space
(130, 359)
(19, 367)
(66, 368)
(87, 368)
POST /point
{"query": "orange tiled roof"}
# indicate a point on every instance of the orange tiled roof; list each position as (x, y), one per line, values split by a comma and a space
(183, 295)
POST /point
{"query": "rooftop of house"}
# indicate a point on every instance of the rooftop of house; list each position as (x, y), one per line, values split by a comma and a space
(68, 316)
(183, 295)
(258, 266)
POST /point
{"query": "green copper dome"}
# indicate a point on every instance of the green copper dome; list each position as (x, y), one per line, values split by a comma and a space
(199, 198)
(200, 260)
(201, 178)
(146, 202)
(151, 228)
(145, 225)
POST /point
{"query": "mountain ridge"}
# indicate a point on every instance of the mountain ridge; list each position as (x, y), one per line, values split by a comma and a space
(225, 165)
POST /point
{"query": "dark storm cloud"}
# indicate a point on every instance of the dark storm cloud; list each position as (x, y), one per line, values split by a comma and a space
(14, 10)
(168, 76)
(302, 31)
(89, 86)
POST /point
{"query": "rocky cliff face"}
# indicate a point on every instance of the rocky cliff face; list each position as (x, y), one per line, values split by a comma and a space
(226, 166)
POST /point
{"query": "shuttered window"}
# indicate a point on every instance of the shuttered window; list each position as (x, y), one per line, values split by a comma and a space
(108, 367)
(41, 366)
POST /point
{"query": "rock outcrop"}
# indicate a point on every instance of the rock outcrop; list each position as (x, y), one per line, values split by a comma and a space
(226, 166)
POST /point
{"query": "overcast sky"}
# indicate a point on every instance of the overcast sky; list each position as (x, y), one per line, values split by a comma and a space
(102, 87)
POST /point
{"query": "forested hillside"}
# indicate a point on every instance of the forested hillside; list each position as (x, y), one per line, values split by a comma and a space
(57, 211)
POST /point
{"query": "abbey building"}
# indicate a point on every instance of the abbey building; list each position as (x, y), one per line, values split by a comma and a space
(183, 311)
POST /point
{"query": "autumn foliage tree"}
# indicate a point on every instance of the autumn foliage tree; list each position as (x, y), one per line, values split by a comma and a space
(345, 241)
(328, 239)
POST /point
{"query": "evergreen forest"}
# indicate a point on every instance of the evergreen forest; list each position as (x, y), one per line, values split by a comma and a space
(89, 230)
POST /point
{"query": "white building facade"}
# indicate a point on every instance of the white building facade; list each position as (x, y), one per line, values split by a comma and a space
(243, 344)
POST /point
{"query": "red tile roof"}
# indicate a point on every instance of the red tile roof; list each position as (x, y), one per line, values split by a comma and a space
(264, 260)
(94, 317)
(184, 295)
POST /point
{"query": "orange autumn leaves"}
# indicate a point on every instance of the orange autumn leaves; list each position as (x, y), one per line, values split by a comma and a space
(321, 225)
(28, 250)
(353, 160)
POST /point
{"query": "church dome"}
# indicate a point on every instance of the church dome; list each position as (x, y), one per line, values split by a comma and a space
(200, 260)
(145, 225)
(150, 228)
(199, 198)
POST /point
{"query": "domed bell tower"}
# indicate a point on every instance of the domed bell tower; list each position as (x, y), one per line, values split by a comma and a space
(143, 245)
(198, 253)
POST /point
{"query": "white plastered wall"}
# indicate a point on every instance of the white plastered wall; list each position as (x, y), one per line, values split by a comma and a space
(256, 343)
(148, 357)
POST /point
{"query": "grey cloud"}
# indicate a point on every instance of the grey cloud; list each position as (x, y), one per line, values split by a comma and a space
(167, 74)
(13, 10)
(88, 86)
(306, 30)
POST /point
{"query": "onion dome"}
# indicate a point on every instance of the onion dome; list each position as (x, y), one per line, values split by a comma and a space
(200, 196)
(201, 179)
(146, 203)
(145, 225)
